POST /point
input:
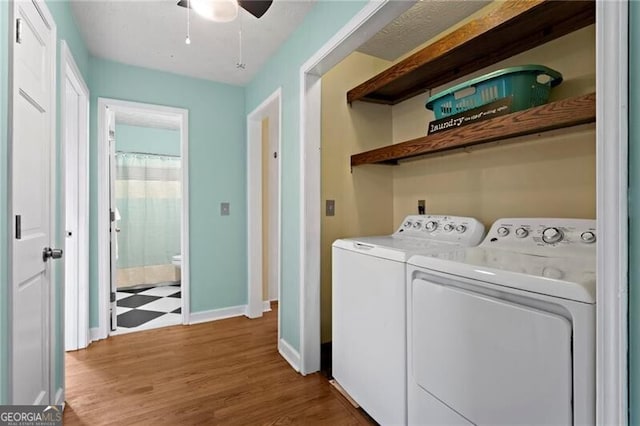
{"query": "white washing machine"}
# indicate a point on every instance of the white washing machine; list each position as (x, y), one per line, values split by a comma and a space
(504, 333)
(369, 308)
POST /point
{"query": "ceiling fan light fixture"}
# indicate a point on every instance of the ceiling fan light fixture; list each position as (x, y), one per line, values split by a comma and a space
(216, 10)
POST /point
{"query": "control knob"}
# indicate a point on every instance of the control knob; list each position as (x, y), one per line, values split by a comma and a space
(448, 227)
(503, 232)
(417, 225)
(408, 224)
(460, 229)
(551, 235)
(521, 232)
(588, 237)
(431, 226)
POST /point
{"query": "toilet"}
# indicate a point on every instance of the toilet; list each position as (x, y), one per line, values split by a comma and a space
(177, 260)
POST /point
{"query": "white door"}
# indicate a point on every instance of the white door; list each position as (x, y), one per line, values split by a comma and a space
(493, 361)
(32, 173)
(72, 131)
(112, 217)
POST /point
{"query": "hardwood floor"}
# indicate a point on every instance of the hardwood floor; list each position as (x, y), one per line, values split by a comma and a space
(222, 372)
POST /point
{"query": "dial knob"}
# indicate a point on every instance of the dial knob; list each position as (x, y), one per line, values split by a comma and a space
(431, 226)
(588, 237)
(417, 225)
(551, 235)
(448, 227)
(521, 232)
(460, 229)
(408, 224)
(503, 232)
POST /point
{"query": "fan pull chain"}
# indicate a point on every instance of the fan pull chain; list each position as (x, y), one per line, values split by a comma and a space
(188, 39)
(240, 64)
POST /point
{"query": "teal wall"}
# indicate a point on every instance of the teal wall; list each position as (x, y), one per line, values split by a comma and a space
(217, 173)
(634, 212)
(282, 70)
(147, 139)
(4, 88)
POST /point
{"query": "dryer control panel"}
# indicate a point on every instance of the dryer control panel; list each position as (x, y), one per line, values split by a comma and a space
(546, 237)
(465, 230)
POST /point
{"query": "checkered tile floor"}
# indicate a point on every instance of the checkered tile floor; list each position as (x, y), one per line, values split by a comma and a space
(143, 309)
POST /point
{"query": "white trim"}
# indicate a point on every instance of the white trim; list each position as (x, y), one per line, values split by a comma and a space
(69, 69)
(289, 354)
(266, 306)
(272, 108)
(612, 215)
(218, 314)
(59, 398)
(371, 19)
(103, 204)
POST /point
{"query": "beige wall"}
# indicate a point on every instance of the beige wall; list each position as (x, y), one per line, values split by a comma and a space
(364, 198)
(548, 175)
(265, 209)
(552, 174)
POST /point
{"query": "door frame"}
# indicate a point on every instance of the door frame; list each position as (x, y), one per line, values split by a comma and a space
(612, 129)
(56, 395)
(104, 285)
(69, 70)
(373, 17)
(612, 215)
(270, 108)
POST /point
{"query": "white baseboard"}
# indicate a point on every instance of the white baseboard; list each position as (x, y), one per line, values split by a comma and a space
(59, 397)
(96, 334)
(288, 353)
(217, 314)
(266, 307)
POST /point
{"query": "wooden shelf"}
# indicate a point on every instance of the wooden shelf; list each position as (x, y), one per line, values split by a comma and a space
(556, 115)
(514, 27)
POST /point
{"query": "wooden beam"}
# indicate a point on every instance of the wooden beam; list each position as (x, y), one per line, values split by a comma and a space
(564, 113)
(514, 27)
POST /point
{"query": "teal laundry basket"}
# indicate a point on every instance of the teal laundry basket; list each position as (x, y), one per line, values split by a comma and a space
(523, 83)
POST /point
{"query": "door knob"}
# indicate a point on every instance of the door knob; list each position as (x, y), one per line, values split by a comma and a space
(48, 252)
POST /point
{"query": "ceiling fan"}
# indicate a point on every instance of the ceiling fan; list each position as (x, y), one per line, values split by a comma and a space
(226, 10)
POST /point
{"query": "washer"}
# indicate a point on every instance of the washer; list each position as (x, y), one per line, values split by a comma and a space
(369, 308)
(504, 333)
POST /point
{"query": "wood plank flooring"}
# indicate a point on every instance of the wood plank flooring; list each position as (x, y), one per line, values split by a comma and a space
(222, 372)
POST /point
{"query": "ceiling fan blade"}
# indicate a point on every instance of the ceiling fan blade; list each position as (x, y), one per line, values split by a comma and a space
(255, 7)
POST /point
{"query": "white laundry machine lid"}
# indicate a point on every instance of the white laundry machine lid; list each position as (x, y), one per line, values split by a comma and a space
(563, 267)
(418, 234)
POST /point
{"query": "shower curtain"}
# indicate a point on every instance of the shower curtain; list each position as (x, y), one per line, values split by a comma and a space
(148, 199)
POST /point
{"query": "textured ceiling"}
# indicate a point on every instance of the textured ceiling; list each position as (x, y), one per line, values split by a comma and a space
(147, 119)
(423, 21)
(151, 34)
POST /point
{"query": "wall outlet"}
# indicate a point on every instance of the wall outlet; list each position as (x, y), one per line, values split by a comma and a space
(422, 207)
(224, 209)
(330, 209)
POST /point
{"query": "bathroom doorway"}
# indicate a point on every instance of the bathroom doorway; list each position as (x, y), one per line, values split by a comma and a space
(143, 253)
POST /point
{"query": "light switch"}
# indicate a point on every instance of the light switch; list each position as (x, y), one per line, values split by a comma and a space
(331, 208)
(224, 209)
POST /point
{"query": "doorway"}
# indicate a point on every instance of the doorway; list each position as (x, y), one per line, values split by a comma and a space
(143, 221)
(75, 134)
(264, 214)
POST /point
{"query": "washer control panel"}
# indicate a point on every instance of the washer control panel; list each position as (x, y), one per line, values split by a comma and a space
(543, 235)
(459, 229)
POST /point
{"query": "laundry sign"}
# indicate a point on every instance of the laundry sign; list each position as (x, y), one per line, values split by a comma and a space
(493, 109)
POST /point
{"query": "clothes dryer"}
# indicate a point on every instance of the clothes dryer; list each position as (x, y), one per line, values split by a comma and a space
(504, 333)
